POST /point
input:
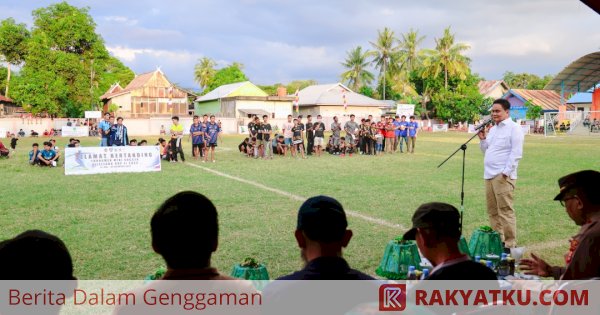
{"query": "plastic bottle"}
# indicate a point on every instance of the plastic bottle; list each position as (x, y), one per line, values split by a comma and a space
(490, 264)
(412, 275)
(503, 267)
(511, 265)
(477, 258)
(425, 274)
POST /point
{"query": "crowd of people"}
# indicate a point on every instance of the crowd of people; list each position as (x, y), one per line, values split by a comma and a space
(185, 228)
(369, 137)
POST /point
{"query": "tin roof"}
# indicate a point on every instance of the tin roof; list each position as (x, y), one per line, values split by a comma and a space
(581, 75)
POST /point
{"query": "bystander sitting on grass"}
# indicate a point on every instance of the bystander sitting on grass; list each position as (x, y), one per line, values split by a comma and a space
(33, 154)
(48, 156)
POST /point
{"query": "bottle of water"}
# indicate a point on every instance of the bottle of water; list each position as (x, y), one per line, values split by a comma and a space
(425, 274)
(412, 275)
(503, 266)
(477, 259)
(490, 264)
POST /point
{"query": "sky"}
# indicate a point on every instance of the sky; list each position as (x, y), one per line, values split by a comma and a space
(285, 40)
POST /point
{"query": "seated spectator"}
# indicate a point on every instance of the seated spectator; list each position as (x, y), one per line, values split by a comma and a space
(46, 133)
(35, 255)
(56, 149)
(133, 142)
(143, 142)
(21, 133)
(578, 194)
(280, 145)
(436, 229)
(34, 133)
(164, 149)
(33, 154)
(3, 150)
(321, 234)
(48, 156)
(243, 147)
(173, 148)
(69, 123)
(185, 232)
(13, 142)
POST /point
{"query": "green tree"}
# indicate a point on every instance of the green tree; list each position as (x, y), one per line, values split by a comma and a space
(204, 71)
(411, 57)
(384, 52)
(227, 75)
(447, 58)
(296, 85)
(13, 45)
(463, 104)
(357, 74)
(67, 66)
(526, 80)
(3, 76)
(366, 90)
(533, 111)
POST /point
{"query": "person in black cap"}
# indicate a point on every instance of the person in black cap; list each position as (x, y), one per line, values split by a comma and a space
(579, 195)
(436, 229)
(321, 234)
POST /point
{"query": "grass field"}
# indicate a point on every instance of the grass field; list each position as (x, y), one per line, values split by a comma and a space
(104, 219)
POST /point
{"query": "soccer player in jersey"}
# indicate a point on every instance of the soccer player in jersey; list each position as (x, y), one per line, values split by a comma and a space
(177, 129)
(197, 133)
(266, 150)
(212, 134)
(298, 138)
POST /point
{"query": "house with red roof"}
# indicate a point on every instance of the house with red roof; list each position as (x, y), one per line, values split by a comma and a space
(549, 100)
(147, 95)
(493, 88)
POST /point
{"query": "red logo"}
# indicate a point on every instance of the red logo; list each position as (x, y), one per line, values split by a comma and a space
(392, 297)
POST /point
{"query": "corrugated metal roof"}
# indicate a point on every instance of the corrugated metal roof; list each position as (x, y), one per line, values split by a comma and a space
(580, 98)
(137, 82)
(221, 91)
(580, 75)
(547, 99)
(486, 87)
(332, 94)
(5, 99)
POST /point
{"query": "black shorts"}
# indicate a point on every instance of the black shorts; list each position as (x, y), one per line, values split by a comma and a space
(211, 145)
(200, 146)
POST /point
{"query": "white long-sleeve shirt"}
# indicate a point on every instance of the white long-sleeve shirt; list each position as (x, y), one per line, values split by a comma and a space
(503, 148)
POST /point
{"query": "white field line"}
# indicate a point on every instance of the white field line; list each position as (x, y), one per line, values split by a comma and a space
(299, 198)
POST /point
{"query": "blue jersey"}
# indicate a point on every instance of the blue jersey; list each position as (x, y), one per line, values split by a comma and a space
(36, 155)
(396, 125)
(403, 133)
(197, 139)
(47, 154)
(412, 128)
(212, 131)
(104, 126)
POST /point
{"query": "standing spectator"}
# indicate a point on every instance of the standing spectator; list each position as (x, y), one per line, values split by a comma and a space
(3, 150)
(162, 130)
(389, 134)
(403, 133)
(143, 143)
(321, 233)
(265, 144)
(319, 128)
(104, 130)
(254, 131)
(351, 128)
(397, 123)
(503, 148)
(212, 134)
(118, 134)
(310, 135)
(197, 134)
(133, 143)
(48, 156)
(413, 128)
(288, 135)
(13, 142)
(177, 130)
(336, 127)
(298, 134)
(33, 154)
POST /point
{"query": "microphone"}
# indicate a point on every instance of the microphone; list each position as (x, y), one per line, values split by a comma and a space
(485, 123)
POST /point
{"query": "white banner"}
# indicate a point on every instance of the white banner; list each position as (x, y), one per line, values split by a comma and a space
(440, 127)
(525, 129)
(72, 131)
(100, 160)
(93, 114)
(406, 110)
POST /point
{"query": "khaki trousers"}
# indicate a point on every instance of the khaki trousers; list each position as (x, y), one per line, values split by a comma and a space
(499, 195)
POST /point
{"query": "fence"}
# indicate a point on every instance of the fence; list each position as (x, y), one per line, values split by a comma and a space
(572, 123)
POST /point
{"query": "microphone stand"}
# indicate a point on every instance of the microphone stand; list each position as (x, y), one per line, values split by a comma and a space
(462, 147)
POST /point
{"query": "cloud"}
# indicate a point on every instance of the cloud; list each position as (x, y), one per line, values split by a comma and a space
(130, 54)
(121, 19)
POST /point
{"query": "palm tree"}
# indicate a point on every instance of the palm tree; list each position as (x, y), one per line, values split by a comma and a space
(356, 62)
(204, 71)
(411, 56)
(384, 53)
(447, 57)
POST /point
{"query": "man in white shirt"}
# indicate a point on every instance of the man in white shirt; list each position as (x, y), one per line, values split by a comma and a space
(503, 148)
